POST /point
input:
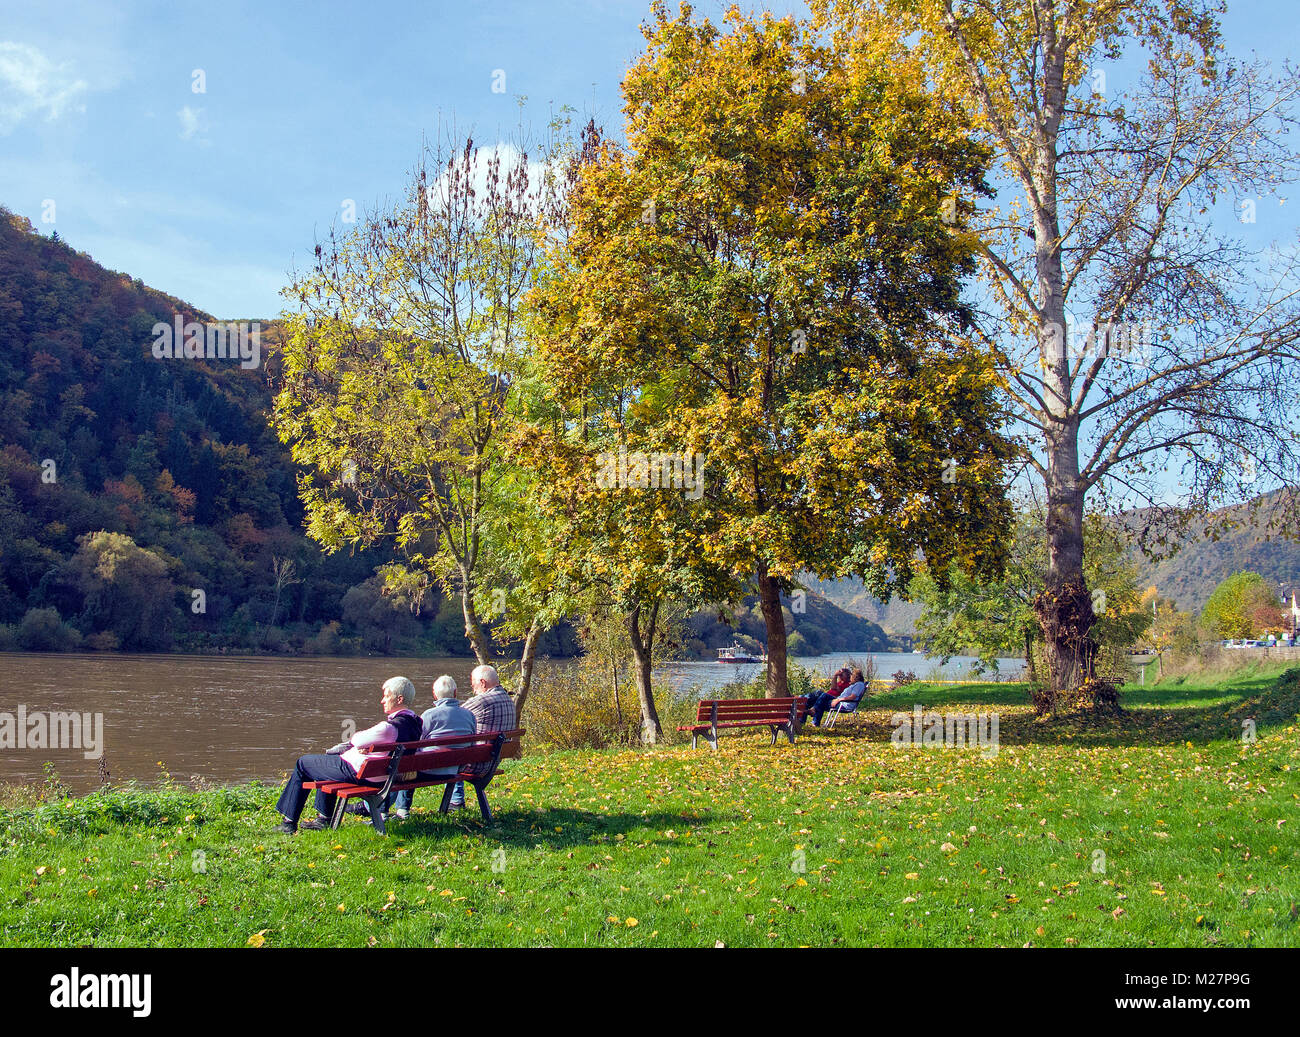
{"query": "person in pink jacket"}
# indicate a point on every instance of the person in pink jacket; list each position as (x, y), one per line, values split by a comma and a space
(343, 761)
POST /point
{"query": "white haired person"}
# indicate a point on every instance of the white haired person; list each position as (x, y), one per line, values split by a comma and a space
(447, 717)
(494, 710)
(341, 762)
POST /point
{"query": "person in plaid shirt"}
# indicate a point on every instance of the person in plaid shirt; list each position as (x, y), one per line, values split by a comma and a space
(493, 709)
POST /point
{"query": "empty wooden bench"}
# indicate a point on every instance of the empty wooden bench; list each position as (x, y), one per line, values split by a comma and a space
(400, 764)
(785, 714)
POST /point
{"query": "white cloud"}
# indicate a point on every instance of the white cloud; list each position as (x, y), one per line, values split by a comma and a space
(32, 85)
(192, 124)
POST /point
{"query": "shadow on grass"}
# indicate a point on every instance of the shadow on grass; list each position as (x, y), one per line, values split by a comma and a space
(1151, 716)
(555, 828)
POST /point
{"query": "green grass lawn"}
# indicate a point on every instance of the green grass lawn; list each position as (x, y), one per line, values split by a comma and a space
(1161, 828)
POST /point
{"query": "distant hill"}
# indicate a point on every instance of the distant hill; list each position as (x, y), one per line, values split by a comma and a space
(820, 628)
(895, 617)
(1190, 576)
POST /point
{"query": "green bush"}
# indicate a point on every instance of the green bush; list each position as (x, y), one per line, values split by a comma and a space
(43, 630)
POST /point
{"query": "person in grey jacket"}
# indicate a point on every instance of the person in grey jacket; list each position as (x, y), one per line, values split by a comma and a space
(447, 717)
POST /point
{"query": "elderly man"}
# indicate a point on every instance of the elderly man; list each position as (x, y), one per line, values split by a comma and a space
(493, 710)
(447, 717)
(342, 762)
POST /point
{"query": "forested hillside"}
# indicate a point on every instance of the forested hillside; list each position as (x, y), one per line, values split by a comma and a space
(128, 482)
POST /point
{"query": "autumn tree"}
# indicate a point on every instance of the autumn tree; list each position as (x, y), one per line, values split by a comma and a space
(397, 365)
(128, 590)
(1244, 605)
(762, 278)
(1147, 354)
(1170, 630)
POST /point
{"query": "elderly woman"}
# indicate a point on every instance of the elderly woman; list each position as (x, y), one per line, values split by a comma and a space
(447, 717)
(343, 760)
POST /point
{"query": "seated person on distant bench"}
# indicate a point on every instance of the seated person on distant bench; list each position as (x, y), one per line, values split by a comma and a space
(447, 717)
(826, 700)
(342, 761)
(839, 681)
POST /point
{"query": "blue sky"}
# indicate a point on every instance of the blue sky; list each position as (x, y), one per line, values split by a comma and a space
(213, 196)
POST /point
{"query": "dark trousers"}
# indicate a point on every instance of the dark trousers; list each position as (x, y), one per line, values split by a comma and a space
(818, 705)
(316, 767)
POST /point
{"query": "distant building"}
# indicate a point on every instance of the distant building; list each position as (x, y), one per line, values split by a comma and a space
(1291, 610)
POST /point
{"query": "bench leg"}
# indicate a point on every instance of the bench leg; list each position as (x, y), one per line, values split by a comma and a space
(340, 805)
(774, 731)
(483, 807)
(446, 797)
(695, 739)
(376, 813)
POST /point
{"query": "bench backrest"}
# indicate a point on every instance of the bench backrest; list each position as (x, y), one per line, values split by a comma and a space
(751, 709)
(458, 751)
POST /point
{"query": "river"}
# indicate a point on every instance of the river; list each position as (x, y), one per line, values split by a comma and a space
(234, 718)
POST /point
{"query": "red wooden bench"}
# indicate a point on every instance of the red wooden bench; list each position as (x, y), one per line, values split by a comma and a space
(785, 714)
(399, 764)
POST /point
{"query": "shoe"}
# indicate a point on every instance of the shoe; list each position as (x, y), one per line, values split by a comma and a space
(287, 827)
(316, 824)
(399, 813)
(358, 806)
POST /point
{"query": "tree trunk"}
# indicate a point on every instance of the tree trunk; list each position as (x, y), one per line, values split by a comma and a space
(643, 657)
(526, 660)
(769, 597)
(478, 640)
(1064, 608)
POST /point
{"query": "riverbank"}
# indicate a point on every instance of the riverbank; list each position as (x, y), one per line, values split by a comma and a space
(1163, 827)
(230, 720)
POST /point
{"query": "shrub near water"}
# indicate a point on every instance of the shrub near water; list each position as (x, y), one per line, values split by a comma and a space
(577, 708)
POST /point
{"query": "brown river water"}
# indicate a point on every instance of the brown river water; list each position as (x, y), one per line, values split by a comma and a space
(234, 718)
